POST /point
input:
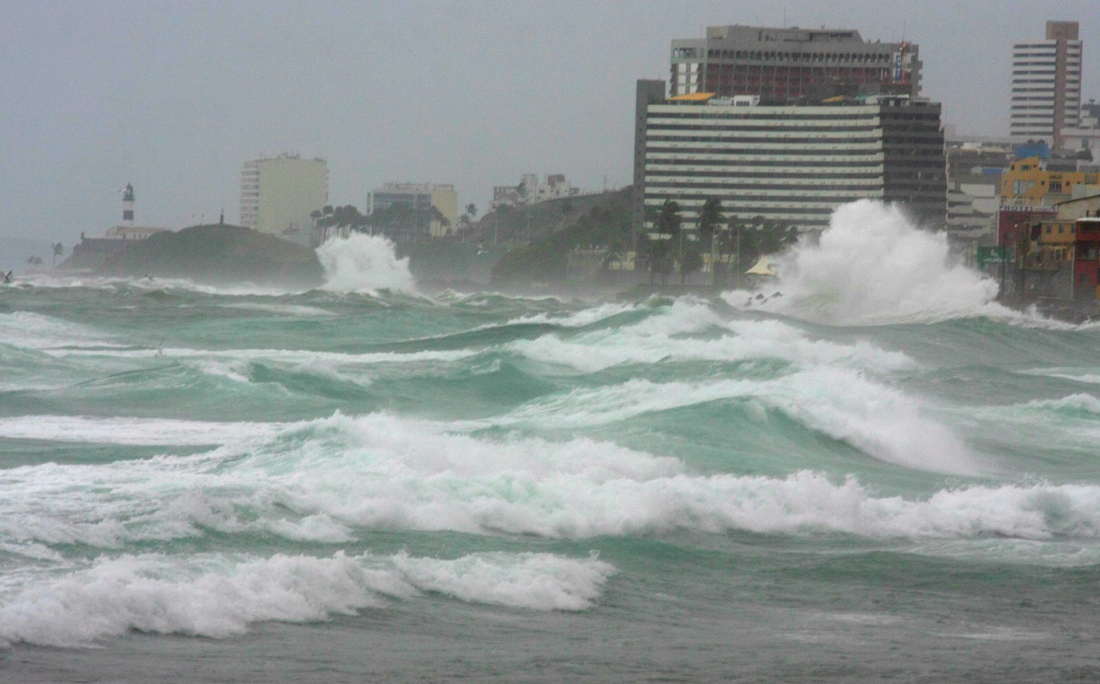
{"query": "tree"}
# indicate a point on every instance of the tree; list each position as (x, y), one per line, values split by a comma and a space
(659, 255)
(34, 261)
(710, 219)
(691, 258)
(58, 250)
(471, 209)
(668, 221)
(710, 216)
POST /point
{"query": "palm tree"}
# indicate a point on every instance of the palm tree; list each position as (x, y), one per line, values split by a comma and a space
(58, 250)
(668, 221)
(710, 217)
(691, 258)
(471, 209)
(668, 224)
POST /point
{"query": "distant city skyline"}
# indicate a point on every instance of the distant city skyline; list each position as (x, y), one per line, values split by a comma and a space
(174, 98)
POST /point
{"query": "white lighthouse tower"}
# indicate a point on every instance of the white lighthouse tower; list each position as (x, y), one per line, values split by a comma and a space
(128, 205)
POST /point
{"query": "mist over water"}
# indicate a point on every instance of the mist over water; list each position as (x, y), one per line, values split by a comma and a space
(877, 465)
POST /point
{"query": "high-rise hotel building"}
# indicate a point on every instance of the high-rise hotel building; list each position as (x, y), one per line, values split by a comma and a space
(278, 193)
(1046, 84)
(781, 65)
(790, 164)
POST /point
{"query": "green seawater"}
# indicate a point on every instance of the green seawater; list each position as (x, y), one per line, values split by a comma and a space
(326, 486)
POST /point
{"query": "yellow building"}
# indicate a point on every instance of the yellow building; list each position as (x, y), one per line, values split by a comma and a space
(278, 193)
(1026, 182)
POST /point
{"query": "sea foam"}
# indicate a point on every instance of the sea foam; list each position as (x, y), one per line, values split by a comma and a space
(219, 595)
(330, 478)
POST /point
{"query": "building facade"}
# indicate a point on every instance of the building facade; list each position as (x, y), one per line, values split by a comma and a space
(1030, 182)
(531, 191)
(782, 65)
(278, 193)
(974, 169)
(419, 197)
(787, 164)
(1046, 84)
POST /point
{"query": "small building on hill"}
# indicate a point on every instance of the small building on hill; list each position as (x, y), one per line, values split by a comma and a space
(531, 191)
(116, 239)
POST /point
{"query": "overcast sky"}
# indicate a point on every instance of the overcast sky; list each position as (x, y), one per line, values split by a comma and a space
(174, 96)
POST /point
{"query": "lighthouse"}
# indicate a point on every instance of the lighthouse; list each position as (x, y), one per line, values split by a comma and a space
(128, 205)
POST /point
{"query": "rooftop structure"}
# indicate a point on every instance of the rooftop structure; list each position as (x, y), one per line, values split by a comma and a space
(781, 65)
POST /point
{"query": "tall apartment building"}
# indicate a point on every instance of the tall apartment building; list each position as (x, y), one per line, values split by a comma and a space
(789, 164)
(419, 196)
(278, 193)
(783, 64)
(1046, 84)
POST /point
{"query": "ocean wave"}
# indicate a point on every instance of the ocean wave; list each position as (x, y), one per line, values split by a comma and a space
(680, 333)
(133, 431)
(1075, 404)
(878, 420)
(326, 479)
(217, 595)
(31, 330)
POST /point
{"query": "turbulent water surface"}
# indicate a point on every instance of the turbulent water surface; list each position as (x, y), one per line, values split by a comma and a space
(875, 475)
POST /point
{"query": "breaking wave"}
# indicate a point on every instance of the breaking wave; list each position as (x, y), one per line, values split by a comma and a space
(872, 265)
(364, 263)
(219, 595)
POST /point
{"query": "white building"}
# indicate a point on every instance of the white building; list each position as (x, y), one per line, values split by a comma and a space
(531, 191)
(278, 193)
(787, 164)
(1046, 85)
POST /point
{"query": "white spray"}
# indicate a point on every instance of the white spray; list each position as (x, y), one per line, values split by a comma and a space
(873, 265)
(364, 263)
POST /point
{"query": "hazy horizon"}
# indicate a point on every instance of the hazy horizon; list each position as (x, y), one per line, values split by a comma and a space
(173, 98)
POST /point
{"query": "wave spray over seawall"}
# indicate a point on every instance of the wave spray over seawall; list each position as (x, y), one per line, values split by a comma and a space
(364, 263)
(873, 265)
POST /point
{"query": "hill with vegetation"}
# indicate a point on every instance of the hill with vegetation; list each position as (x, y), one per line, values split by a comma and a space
(218, 254)
(547, 232)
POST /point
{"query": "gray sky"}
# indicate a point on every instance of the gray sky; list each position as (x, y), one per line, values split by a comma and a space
(173, 96)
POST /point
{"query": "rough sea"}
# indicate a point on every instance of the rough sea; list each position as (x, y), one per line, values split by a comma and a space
(867, 471)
